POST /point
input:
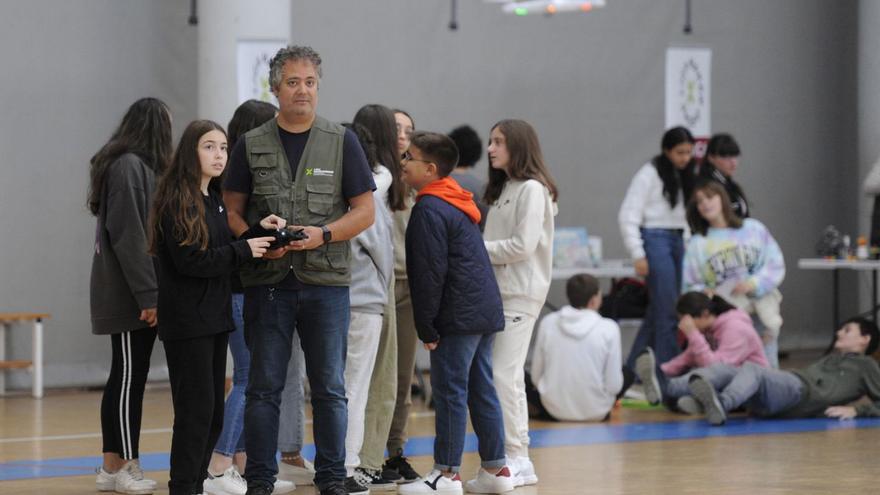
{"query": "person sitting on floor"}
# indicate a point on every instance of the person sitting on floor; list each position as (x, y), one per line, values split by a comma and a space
(576, 365)
(717, 334)
(825, 388)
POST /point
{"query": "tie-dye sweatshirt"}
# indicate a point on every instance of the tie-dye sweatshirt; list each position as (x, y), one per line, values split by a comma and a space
(728, 256)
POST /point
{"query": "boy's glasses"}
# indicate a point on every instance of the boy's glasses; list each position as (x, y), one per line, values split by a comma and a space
(407, 157)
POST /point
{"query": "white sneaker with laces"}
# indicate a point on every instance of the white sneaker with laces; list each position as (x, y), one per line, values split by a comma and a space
(105, 482)
(228, 483)
(128, 480)
(300, 475)
(523, 471)
(434, 484)
(486, 482)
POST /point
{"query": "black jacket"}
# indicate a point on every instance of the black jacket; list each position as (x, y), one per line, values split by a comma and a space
(194, 289)
(451, 281)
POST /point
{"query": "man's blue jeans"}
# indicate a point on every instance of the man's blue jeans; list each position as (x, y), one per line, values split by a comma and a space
(664, 250)
(320, 314)
(461, 378)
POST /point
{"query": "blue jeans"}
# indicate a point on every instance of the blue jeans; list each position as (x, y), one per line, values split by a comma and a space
(764, 391)
(461, 378)
(320, 315)
(664, 250)
(231, 439)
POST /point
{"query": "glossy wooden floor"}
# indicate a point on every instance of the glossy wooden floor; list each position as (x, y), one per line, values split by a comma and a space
(65, 424)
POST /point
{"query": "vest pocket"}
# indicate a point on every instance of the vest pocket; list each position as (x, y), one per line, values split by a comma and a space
(331, 257)
(320, 198)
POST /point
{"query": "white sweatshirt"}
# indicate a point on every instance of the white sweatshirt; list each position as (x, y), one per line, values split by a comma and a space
(646, 206)
(519, 240)
(576, 364)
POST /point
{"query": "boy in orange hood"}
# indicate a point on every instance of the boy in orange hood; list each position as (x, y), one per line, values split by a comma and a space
(457, 310)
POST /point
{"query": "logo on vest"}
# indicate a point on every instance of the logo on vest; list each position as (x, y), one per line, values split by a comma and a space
(320, 172)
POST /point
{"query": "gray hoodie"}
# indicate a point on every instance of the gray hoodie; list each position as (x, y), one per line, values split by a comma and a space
(123, 280)
(372, 256)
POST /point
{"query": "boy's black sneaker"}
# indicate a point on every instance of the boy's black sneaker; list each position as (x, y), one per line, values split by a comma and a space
(373, 480)
(352, 487)
(260, 490)
(399, 464)
(337, 488)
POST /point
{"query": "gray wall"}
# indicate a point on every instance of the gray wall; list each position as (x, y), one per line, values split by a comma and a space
(70, 70)
(784, 82)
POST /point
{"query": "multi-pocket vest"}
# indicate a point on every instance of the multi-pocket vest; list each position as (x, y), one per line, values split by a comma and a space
(313, 197)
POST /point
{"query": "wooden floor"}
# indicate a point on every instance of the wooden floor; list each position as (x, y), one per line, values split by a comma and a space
(619, 457)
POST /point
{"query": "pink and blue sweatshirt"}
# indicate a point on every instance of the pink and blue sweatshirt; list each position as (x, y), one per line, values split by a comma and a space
(733, 255)
(731, 340)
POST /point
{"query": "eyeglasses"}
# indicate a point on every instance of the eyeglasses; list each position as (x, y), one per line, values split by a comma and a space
(407, 157)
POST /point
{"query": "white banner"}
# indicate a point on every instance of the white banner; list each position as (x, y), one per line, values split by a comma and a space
(688, 89)
(252, 66)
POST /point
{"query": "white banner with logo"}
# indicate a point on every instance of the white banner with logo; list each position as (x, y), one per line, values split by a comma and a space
(688, 89)
(252, 65)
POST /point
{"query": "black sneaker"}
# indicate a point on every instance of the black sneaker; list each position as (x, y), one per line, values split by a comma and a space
(259, 490)
(373, 480)
(352, 487)
(401, 465)
(337, 488)
(392, 475)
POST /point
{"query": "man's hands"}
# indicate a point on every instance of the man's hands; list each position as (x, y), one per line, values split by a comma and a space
(432, 345)
(841, 412)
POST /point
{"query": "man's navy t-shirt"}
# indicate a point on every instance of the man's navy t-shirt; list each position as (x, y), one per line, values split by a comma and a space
(356, 175)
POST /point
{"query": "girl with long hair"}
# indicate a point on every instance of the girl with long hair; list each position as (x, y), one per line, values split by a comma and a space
(736, 258)
(400, 318)
(197, 254)
(652, 221)
(378, 128)
(123, 287)
(718, 334)
(521, 196)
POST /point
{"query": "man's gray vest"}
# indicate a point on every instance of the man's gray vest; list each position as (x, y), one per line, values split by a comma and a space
(313, 197)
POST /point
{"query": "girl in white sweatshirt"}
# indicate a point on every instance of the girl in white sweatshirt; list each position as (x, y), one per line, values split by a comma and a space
(652, 221)
(521, 196)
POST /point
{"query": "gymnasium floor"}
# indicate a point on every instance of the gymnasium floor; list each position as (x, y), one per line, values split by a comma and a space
(52, 447)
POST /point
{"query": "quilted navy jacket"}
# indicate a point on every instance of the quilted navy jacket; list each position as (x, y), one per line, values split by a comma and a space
(451, 282)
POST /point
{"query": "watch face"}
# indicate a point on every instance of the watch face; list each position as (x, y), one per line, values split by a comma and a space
(327, 234)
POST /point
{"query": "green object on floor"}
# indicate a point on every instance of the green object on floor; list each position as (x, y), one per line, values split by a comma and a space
(638, 404)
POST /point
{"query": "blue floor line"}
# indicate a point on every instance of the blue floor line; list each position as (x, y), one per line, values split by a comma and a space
(543, 438)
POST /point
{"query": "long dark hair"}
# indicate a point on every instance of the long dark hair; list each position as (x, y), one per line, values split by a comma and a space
(379, 120)
(367, 144)
(249, 115)
(179, 194)
(145, 130)
(695, 303)
(672, 178)
(526, 160)
(710, 188)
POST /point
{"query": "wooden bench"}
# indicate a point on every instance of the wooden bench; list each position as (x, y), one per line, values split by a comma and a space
(36, 365)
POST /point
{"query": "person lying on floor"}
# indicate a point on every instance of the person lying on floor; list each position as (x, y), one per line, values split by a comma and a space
(717, 334)
(825, 388)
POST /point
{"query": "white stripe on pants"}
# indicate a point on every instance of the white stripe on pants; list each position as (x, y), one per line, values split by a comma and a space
(363, 343)
(508, 367)
(125, 394)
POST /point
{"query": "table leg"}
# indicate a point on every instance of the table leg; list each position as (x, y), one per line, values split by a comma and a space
(2, 357)
(874, 294)
(38, 359)
(835, 313)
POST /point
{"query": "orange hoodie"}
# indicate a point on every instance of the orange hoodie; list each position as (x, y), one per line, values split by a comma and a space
(448, 190)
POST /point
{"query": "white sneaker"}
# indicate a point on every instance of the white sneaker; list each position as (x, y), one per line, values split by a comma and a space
(523, 471)
(128, 480)
(228, 483)
(434, 483)
(283, 486)
(300, 476)
(485, 482)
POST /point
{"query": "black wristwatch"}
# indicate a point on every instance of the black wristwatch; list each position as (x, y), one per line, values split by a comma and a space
(327, 234)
